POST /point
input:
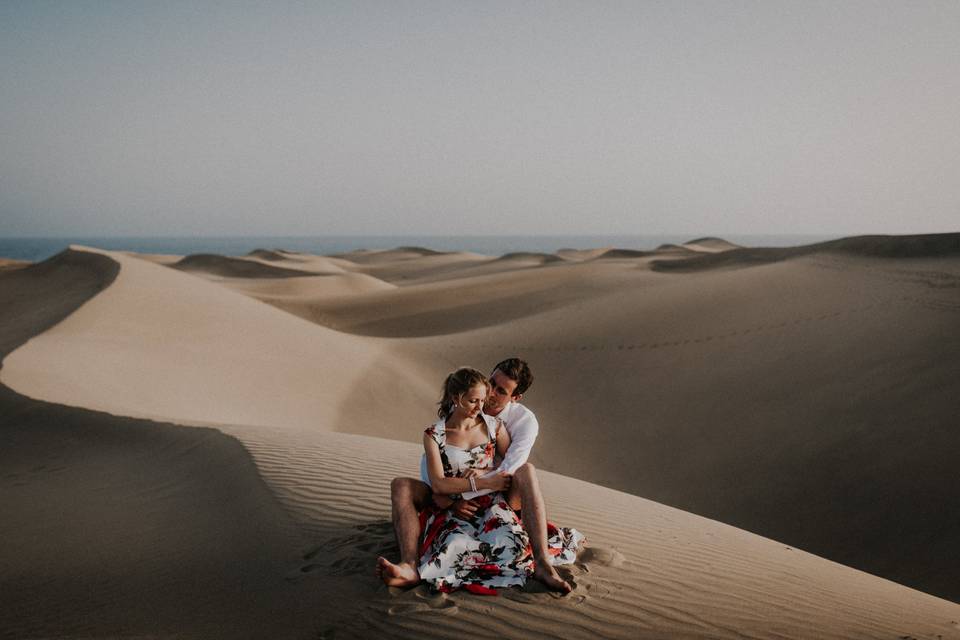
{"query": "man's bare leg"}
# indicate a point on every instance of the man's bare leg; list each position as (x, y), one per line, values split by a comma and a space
(526, 490)
(408, 496)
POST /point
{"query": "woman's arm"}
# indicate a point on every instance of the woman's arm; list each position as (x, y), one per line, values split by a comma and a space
(443, 485)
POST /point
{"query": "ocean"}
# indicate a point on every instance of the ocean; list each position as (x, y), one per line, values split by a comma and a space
(35, 249)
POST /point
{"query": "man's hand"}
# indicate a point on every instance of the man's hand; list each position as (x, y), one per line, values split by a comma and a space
(465, 509)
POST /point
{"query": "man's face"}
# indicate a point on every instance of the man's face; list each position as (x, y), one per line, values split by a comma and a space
(501, 393)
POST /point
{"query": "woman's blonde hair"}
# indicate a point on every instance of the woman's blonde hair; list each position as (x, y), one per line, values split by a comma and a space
(458, 383)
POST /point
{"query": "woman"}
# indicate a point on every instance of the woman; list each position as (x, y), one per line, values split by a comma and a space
(491, 549)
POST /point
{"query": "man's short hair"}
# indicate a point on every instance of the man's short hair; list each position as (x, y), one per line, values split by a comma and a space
(518, 371)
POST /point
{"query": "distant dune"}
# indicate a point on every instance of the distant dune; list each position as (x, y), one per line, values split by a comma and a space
(275, 255)
(235, 267)
(581, 254)
(198, 457)
(527, 256)
(710, 244)
(405, 267)
(366, 256)
(624, 253)
(700, 245)
(673, 248)
(921, 246)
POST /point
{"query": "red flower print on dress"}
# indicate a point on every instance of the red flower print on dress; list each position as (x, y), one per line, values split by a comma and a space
(493, 523)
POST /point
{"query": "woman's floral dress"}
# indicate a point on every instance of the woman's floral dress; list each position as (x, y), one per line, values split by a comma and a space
(491, 549)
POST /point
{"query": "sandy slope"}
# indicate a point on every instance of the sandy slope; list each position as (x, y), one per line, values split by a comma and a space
(281, 385)
(113, 526)
(651, 571)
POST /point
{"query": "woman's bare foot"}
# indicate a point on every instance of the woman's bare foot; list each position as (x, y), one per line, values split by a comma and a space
(397, 575)
(545, 573)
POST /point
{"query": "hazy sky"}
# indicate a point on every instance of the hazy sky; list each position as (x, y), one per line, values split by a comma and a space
(479, 117)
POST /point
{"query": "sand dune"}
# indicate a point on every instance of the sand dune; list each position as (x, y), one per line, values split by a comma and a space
(651, 571)
(294, 294)
(368, 256)
(277, 255)
(529, 258)
(580, 255)
(623, 253)
(786, 399)
(845, 363)
(409, 267)
(664, 250)
(114, 526)
(258, 264)
(322, 265)
(259, 276)
(710, 245)
(922, 246)
(166, 259)
(441, 307)
(235, 267)
(163, 344)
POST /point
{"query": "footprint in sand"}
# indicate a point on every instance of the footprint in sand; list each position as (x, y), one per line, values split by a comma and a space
(348, 552)
(418, 600)
(602, 556)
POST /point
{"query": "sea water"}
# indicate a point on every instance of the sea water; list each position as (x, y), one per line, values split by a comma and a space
(35, 249)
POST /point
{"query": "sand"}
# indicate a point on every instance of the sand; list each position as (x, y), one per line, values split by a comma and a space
(206, 452)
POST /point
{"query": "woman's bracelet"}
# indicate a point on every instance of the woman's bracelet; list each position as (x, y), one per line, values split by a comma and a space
(473, 483)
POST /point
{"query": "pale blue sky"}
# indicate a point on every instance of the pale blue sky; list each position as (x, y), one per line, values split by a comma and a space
(181, 118)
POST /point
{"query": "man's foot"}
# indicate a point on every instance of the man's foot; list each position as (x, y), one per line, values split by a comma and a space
(545, 573)
(396, 575)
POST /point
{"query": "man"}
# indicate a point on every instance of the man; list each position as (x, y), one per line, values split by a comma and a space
(509, 381)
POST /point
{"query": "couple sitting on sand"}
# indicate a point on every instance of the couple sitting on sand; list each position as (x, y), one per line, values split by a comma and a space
(460, 526)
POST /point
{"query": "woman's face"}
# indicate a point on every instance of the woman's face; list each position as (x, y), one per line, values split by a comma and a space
(471, 403)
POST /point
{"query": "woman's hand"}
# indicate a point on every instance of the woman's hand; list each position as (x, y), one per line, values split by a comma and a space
(498, 482)
(474, 473)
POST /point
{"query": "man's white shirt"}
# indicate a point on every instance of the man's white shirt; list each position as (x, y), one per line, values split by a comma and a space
(523, 428)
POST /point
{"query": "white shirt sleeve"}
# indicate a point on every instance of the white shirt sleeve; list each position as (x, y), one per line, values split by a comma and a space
(523, 433)
(423, 471)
